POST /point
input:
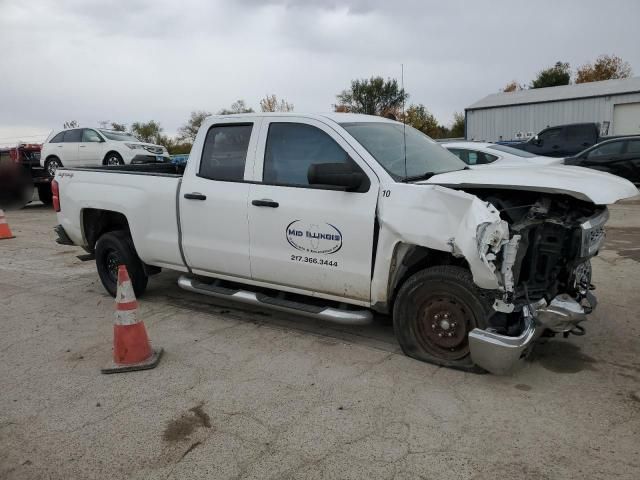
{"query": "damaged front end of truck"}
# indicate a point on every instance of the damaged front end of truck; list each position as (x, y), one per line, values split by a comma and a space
(539, 252)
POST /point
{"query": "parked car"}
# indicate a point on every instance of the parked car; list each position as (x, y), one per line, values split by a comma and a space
(335, 215)
(477, 154)
(562, 140)
(97, 146)
(620, 156)
(20, 173)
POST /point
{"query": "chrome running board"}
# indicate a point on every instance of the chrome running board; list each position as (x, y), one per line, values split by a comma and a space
(335, 315)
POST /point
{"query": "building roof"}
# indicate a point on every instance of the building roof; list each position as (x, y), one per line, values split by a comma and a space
(555, 94)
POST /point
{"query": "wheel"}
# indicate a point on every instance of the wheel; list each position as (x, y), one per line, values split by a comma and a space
(45, 194)
(113, 249)
(113, 158)
(434, 312)
(52, 165)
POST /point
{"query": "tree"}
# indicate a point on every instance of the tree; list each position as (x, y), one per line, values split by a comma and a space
(512, 86)
(374, 96)
(270, 104)
(118, 127)
(70, 124)
(188, 132)
(559, 74)
(238, 106)
(150, 131)
(457, 127)
(421, 119)
(606, 67)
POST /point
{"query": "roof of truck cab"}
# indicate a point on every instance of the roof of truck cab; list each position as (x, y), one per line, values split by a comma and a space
(333, 116)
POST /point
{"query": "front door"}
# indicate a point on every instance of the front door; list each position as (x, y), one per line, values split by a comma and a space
(90, 148)
(317, 240)
(213, 201)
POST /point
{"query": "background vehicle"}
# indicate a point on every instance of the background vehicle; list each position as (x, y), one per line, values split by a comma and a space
(562, 140)
(334, 215)
(476, 154)
(620, 156)
(96, 146)
(20, 173)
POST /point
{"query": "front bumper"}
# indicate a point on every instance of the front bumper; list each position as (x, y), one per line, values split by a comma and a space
(150, 158)
(501, 354)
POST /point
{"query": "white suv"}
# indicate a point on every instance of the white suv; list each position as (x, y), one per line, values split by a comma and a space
(96, 146)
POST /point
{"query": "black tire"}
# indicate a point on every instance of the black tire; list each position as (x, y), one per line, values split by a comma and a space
(113, 249)
(45, 194)
(113, 158)
(434, 312)
(52, 165)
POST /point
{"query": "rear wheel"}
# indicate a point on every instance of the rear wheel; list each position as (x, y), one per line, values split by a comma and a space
(112, 250)
(45, 194)
(113, 158)
(52, 165)
(434, 312)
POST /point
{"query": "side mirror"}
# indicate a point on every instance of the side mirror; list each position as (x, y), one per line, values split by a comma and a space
(336, 175)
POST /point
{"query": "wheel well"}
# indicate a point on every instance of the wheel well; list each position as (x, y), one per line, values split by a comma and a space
(104, 160)
(96, 223)
(410, 259)
(51, 157)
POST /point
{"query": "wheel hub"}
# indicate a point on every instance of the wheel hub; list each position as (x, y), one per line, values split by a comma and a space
(444, 326)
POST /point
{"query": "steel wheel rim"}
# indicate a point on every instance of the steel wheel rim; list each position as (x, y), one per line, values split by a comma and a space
(52, 167)
(112, 263)
(443, 326)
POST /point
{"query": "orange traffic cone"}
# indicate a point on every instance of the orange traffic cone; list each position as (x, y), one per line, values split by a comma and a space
(5, 231)
(131, 348)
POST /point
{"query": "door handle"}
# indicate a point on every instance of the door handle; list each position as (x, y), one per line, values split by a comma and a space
(555, 147)
(265, 203)
(195, 196)
(82, 146)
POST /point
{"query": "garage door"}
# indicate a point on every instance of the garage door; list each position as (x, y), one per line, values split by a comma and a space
(626, 119)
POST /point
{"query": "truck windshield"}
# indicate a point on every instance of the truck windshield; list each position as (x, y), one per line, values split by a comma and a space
(512, 151)
(119, 136)
(385, 142)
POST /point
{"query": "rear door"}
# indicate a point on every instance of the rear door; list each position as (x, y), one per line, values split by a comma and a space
(310, 238)
(70, 147)
(90, 149)
(213, 200)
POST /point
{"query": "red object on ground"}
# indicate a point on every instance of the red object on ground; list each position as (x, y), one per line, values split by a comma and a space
(5, 231)
(131, 347)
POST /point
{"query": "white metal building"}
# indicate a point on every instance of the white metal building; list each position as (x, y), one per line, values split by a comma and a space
(614, 104)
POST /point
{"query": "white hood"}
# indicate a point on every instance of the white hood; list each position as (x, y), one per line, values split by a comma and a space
(582, 183)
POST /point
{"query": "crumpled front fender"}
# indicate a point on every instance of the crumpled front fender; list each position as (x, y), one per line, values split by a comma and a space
(442, 219)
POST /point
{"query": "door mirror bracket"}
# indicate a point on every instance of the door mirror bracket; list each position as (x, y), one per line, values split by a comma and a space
(336, 175)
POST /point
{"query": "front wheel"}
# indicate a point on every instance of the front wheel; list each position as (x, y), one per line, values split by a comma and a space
(434, 312)
(113, 158)
(112, 250)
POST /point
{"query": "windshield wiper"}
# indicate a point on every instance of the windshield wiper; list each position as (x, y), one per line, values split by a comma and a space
(422, 176)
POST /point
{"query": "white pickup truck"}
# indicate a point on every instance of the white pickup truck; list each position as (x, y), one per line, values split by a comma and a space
(335, 216)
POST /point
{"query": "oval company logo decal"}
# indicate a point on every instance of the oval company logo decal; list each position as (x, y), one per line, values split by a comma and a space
(314, 238)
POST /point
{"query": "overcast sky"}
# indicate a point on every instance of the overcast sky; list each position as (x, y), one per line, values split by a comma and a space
(160, 59)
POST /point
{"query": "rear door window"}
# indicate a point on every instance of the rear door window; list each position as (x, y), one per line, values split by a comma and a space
(73, 135)
(633, 146)
(225, 152)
